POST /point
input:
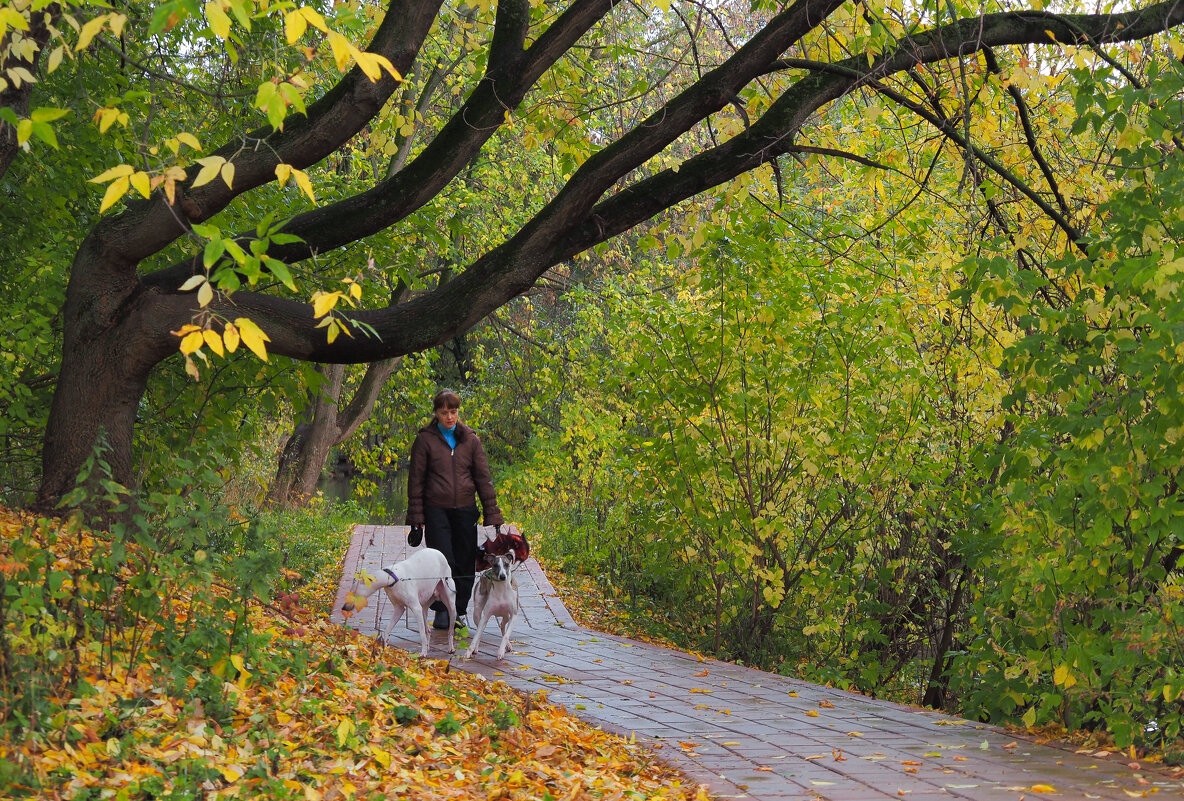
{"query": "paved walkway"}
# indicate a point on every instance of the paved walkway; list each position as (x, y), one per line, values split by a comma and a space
(749, 734)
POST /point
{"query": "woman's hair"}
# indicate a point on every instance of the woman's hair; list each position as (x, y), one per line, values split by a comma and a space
(446, 398)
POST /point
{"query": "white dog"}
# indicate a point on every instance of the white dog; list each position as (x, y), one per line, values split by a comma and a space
(415, 583)
(495, 595)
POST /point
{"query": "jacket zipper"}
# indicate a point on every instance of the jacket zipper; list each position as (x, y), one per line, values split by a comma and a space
(455, 494)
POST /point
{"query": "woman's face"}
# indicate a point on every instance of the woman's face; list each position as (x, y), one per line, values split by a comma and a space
(447, 417)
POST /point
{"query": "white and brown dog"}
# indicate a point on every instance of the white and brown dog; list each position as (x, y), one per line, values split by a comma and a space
(495, 594)
(415, 583)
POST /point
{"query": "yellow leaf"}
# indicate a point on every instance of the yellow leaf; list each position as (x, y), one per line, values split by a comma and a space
(192, 342)
(344, 729)
(283, 172)
(295, 24)
(211, 165)
(1063, 676)
(122, 171)
(142, 183)
(1043, 788)
(380, 756)
(373, 64)
(205, 293)
(314, 19)
(355, 290)
(253, 337)
(231, 773)
(230, 337)
(323, 303)
(11, 18)
(333, 330)
(237, 661)
(89, 31)
(55, 58)
(115, 191)
(219, 20)
(171, 176)
(189, 139)
(116, 22)
(305, 183)
(214, 341)
(341, 48)
(106, 118)
(812, 713)
(228, 174)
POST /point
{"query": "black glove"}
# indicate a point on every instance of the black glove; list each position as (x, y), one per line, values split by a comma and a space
(415, 536)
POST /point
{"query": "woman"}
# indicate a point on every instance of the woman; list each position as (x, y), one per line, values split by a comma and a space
(448, 472)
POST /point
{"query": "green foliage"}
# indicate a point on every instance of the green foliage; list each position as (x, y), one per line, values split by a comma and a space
(173, 580)
(1081, 617)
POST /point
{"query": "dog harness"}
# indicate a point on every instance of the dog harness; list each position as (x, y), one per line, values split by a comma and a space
(391, 573)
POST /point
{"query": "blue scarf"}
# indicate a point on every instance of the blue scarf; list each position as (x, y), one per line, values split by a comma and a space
(449, 435)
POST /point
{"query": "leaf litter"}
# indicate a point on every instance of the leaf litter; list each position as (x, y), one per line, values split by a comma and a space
(347, 719)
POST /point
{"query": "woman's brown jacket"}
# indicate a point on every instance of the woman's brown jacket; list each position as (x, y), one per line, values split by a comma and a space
(449, 478)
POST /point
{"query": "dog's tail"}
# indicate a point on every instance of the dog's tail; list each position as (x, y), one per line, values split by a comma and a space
(366, 590)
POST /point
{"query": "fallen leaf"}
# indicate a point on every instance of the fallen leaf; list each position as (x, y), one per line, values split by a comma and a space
(826, 705)
(911, 762)
(812, 713)
(1043, 788)
(703, 672)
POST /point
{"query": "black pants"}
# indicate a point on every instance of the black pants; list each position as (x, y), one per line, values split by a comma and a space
(453, 532)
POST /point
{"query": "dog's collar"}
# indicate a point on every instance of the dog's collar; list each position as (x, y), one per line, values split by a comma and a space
(391, 573)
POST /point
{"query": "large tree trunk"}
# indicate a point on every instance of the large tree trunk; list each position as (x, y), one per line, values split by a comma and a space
(308, 447)
(114, 336)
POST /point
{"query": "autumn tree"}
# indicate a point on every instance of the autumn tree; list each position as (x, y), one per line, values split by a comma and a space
(162, 270)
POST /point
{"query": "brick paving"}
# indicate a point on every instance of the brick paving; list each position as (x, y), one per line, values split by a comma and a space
(746, 733)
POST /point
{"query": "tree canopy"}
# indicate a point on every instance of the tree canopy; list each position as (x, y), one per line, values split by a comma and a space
(195, 118)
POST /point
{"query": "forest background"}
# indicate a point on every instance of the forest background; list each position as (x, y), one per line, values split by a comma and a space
(896, 408)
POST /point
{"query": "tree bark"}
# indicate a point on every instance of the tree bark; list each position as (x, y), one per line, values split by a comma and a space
(305, 452)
